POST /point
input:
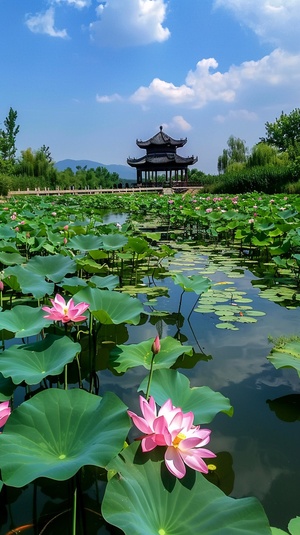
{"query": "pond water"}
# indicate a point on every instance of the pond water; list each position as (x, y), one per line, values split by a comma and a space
(258, 447)
(260, 442)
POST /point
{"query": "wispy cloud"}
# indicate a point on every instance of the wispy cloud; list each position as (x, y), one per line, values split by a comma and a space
(130, 23)
(79, 4)
(236, 115)
(44, 23)
(274, 21)
(105, 99)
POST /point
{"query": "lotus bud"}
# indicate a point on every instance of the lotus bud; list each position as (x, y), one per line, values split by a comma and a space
(1, 286)
(156, 345)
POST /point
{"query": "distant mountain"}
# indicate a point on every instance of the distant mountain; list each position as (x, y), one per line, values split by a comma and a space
(124, 171)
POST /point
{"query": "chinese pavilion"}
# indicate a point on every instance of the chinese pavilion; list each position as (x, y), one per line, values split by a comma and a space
(161, 158)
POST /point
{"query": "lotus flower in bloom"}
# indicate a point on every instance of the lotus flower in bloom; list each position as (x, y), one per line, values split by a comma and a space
(4, 412)
(65, 312)
(174, 429)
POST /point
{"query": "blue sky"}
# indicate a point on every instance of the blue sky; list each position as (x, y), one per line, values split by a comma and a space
(89, 77)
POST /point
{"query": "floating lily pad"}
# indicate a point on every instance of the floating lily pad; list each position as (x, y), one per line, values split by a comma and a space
(226, 325)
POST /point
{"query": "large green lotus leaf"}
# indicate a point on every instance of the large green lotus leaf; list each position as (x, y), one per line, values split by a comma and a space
(72, 284)
(85, 242)
(113, 242)
(286, 356)
(111, 307)
(132, 355)
(143, 497)
(54, 267)
(110, 281)
(138, 245)
(23, 320)
(58, 431)
(201, 400)
(33, 362)
(195, 283)
(6, 388)
(10, 259)
(30, 283)
(7, 232)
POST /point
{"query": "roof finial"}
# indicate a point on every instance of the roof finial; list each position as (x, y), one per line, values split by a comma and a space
(161, 128)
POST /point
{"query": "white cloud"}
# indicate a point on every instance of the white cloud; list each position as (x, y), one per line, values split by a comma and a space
(278, 71)
(179, 123)
(274, 21)
(130, 23)
(79, 4)
(44, 23)
(104, 99)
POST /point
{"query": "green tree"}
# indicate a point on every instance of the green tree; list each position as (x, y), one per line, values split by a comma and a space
(8, 137)
(264, 154)
(236, 153)
(284, 133)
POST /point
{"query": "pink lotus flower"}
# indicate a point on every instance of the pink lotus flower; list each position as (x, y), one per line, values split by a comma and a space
(65, 312)
(174, 429)
(5, 411)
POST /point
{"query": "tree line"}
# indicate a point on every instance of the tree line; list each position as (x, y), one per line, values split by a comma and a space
(271, 166)
(36, 169)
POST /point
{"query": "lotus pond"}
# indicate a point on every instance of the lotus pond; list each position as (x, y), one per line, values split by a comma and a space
(110, 303)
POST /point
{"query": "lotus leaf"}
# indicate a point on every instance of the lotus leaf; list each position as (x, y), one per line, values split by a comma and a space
(23, 320)
(58, 431)
(286, 356)
(144, 498)
(85, 242)
(195, 283)
(54, 267)
(132, 355)
(10, 259)
(202, 401)
(34, 362)
(113, 242)
(30, 283)
(111, 307)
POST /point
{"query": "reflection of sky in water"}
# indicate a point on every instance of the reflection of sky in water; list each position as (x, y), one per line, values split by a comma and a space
(265, 449)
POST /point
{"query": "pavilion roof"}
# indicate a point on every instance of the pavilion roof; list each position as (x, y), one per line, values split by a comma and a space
(161, 160)
(161, 138)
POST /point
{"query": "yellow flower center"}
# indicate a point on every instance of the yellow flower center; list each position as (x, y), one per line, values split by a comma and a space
(66, 310)
(178, 439)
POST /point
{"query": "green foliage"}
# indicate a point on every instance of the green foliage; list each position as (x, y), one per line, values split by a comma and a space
(284, 133)
(8, 137)
(235, 153)
(263, 154)
(268, 179)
